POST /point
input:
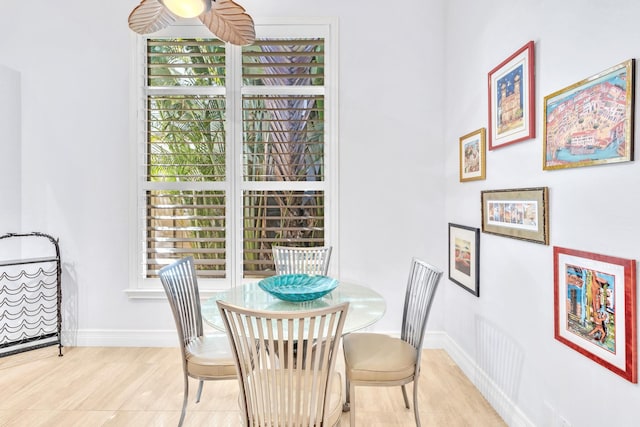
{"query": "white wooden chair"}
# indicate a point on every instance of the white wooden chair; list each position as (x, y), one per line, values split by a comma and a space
(203, 357)
(293, 260)
(373, 359)
(286, 364)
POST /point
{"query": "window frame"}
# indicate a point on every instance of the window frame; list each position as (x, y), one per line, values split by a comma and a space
(141, 287)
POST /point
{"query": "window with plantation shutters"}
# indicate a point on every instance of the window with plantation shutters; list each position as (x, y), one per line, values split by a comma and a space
(233, 152)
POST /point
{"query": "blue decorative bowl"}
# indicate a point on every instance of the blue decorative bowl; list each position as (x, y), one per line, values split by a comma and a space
(298, 287)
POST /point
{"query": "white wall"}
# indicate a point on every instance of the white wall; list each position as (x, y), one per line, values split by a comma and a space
(591, 208)
(74, 59)
(10, 157)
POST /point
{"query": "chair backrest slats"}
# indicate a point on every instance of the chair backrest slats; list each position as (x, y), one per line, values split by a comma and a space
(421, 288)
(293, 260)
(285, 362)
(181, 286)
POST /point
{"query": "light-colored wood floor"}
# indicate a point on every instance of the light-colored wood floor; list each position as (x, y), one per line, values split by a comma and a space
(95, 386)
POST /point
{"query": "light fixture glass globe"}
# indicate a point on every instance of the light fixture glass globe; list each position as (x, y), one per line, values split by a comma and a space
(187, 8)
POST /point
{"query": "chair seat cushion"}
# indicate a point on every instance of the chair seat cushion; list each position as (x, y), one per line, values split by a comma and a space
(378, 357)
(210, 357)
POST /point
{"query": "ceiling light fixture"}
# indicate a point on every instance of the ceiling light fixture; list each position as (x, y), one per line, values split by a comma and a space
(226, 19)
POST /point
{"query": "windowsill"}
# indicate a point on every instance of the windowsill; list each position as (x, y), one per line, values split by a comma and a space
(155, 294)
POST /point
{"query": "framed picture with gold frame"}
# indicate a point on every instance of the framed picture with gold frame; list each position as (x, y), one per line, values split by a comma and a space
(591, 122)
(520, 213)
(472, 156)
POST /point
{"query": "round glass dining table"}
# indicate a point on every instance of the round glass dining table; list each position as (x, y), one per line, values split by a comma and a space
(366, 306)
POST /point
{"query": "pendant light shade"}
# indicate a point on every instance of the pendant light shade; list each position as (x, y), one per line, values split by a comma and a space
(226, 19)
(187, 8)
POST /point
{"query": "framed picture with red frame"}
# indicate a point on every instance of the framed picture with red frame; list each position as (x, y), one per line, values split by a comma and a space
(512, 99)
(595, 308)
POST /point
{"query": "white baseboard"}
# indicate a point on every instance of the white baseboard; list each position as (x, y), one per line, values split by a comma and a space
(505, 407)
(125, 338)
(120, 338)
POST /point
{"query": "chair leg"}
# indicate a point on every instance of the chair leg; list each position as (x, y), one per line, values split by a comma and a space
(415, 403)
(184, 400)
(404, 395)
(352, 410)
(200, 384)
(347, 405)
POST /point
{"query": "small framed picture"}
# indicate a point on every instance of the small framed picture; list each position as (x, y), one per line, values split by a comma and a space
(591, 122)
(595, 308)
(512, 99)
(472, 156)
(520, 213)
(464, 257)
